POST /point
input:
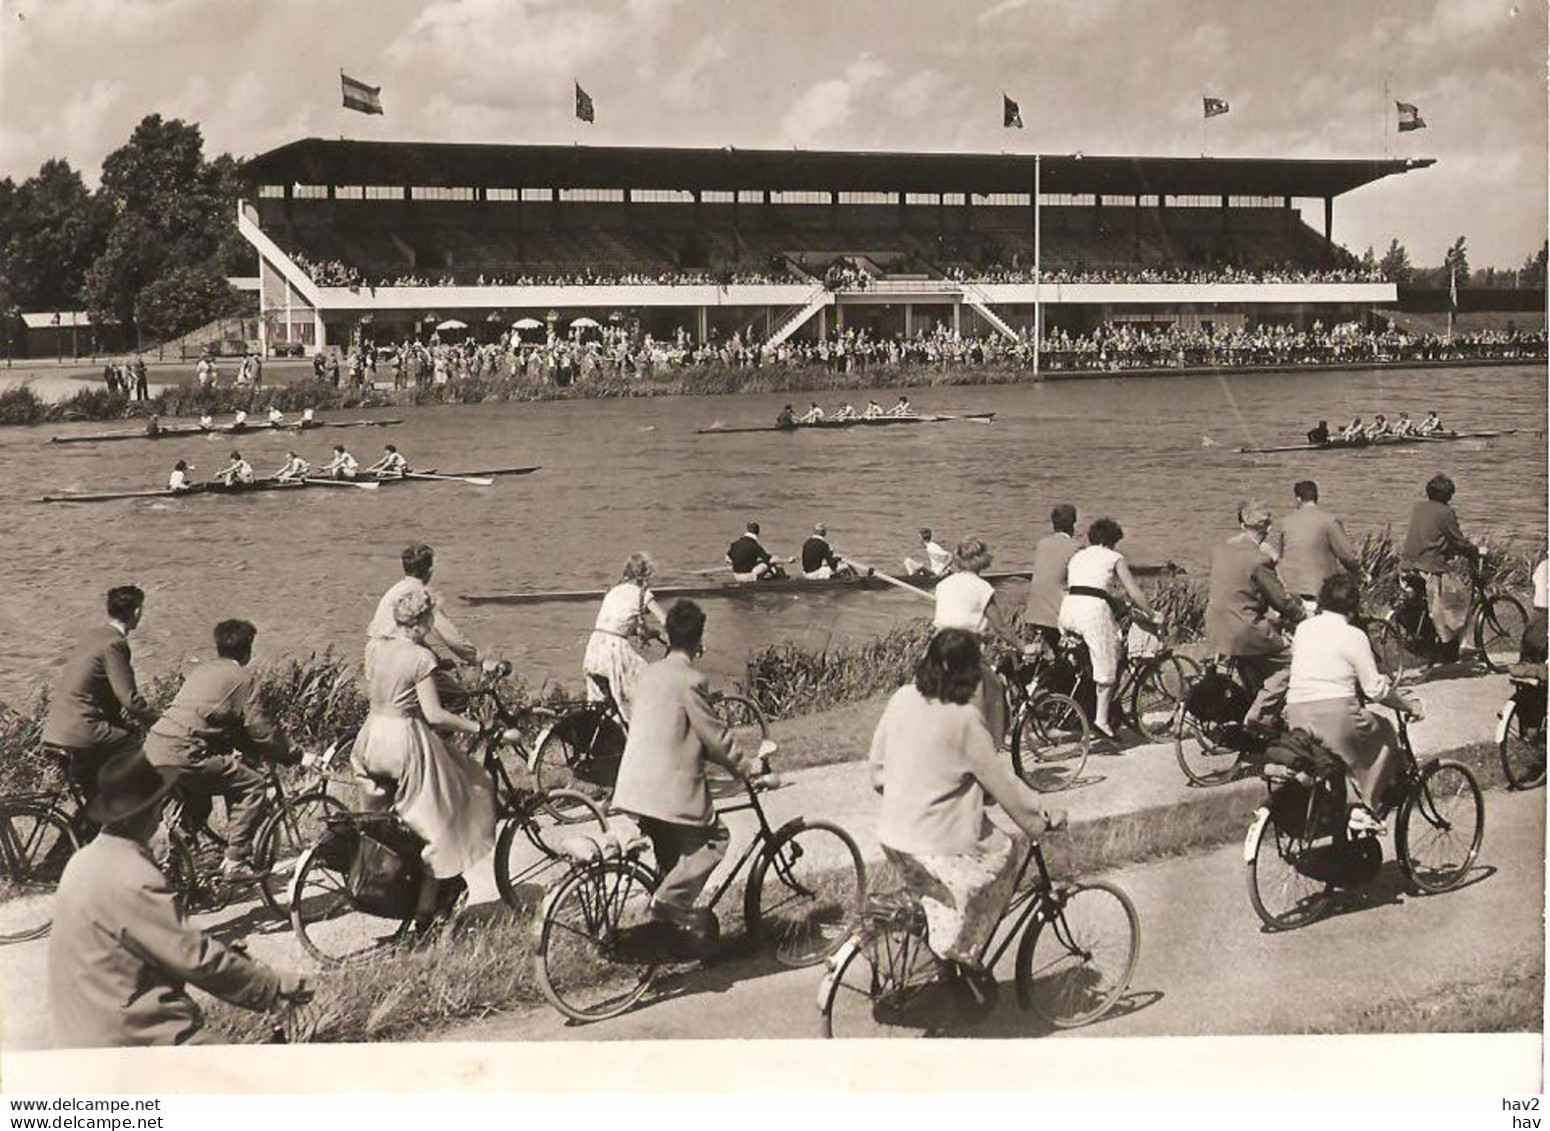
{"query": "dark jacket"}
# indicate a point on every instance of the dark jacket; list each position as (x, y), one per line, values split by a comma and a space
(1434, 537)
(1243, 587)
(95, 698)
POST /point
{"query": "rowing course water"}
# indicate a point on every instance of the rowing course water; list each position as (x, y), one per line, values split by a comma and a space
(624, 475)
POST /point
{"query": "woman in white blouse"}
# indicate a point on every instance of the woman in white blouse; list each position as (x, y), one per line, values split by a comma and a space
(1332, 668)
(610, 656)
(966, 600)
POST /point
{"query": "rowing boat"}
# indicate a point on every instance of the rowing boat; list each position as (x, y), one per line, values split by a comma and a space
(1380, 442)
(173, 431)
(787, 585)
(857, 422)
(284, 485)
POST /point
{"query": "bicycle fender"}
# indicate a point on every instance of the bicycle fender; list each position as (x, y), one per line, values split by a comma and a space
(1504, 721)
(832, 969)
(1261, 815)
(791, 826)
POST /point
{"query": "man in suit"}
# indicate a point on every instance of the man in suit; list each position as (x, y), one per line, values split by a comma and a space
(1314, 546)
(1244, 587)
(1048, 585)
(121, 953)
(95, 709)
(673, 734)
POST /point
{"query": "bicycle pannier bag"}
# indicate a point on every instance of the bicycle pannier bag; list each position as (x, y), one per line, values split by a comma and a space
(386, 873)
(1216, 698)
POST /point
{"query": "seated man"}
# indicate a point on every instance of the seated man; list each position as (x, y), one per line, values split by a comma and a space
(237, 471)
(1354, 431)
(1430, 426)
(813, 415)
(121, 953)
(276, 417)
(874, 410)
(178, 481)
(449, 644)
(819, 561)
(749, 560)
(847, 412)
(903, 408)
(239, 422)
(787, 418)
(1378, 427)
(1320, 434)
(343, 465)
(1404, 426)
(214, 715)
(390, 466)
(674, 732)
(294, 468)
(937, 562)
(1432, 540)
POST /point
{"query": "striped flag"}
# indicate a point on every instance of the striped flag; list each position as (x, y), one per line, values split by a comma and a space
(359, 96)
(1215, 107)
(583, 104)
(1011, 115)
(1453, 287)
(1409, 117)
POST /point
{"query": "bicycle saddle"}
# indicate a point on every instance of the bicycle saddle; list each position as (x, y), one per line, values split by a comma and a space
(587, 847)
(1527, 673)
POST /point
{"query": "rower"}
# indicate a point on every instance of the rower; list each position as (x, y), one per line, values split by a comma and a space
(1404, 426)
(206, 422)
(1430, 426)
(819, 561)
(306, 418)
(787, 418)
(903, 408)
(238, 471)
(1319, 436)
(937, 559)
(749, 560)
(178, 481)
(1353, 431)
(276, 417)
(153, 427)
(390, 466)
(873, 410)
(343, 465)
(239, 422)
(295, 468)
(1378, 427)
(813, 415)
(848, 412)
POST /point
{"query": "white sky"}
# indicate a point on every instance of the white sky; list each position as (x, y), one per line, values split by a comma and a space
(1305, 79)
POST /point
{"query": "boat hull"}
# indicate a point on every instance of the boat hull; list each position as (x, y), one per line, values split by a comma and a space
(290, 485)
(1384, 442)
(182, 431)
(842, 425)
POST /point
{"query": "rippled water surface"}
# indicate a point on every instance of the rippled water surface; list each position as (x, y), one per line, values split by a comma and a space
(624, 475)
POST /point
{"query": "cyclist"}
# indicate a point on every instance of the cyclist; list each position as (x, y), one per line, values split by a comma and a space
(1432, 540)
(214, 715)
(1532, 648)
(1047, 587)
(662, 783)
(966, 600)
(1332, 667)
(610, 660)
(121, 953)
(1244, 588)
(419, 560)
(95, 709)
(937, 769)
(1313, 546)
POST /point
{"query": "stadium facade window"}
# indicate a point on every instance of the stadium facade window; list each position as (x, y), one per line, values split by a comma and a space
(538, 194)
(502, 194)
(1110, 201)
(869, 198)
(1194, 202)
(271, 192)
(1004, 199)
(799, 198)
(349, 192)
(1067, 199)
(717, 196)
(750, 196)
(593, 195)
(384, 192)
(442, 192)
(1149, 200)
(310, 192)
(1254, 202)
(661, 196)
(952, 198)
(922, 198)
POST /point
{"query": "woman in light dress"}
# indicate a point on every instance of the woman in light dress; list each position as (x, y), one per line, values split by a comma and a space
(966, 600)
(610, 655)
(447, 799)
(1085, 609)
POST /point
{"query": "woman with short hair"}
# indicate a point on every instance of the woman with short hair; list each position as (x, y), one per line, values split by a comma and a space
(965, 600)
(611, 662)
(1333, 668)
(1085, 609)
(938, 771)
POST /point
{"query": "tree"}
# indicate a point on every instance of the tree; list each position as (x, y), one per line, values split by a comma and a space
(184, 299)
(1369, 260)
(1395, 263)
(51, 228)
(1455, 264)
(1532, 273)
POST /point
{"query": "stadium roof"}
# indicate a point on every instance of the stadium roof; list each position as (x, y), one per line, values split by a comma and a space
(320, 161)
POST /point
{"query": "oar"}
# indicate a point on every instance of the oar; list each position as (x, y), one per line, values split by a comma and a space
(968, 419)
(472, 480)
(894, 581)
(368, 486)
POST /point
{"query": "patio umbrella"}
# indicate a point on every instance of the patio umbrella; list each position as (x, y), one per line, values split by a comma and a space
(584, 322)
(528, 324)
(452, 324)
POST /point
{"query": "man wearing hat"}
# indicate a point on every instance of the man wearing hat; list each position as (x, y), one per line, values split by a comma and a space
(121, 953)
(1244, 587)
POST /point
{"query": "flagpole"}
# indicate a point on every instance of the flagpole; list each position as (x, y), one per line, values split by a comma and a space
(1038, 281)
(1202, 123)
(1384, 120)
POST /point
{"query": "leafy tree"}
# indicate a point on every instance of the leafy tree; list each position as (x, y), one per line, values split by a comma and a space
(1455, 264)
(1395, 263)
(184, 299)
(1369, 260)
(1532, 273)
(51, 228)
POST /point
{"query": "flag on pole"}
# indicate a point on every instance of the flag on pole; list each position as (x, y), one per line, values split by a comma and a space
(359, 96)
(1215, 107)
(1011, 116)
(583, 104)
(1409, 117)
(1453, 287)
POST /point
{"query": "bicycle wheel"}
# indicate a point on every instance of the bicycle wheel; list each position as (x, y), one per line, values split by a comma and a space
(529, 847)
(1158, 690)
(1522, 749)
(806, 892)
(296, 823)
(1499, 624)
(586, 965)
(580, 751)
(1441, 824)
(1091, 937)
(36, 841)
(1394, 658)
(1050, 742)
(884, 982)
(1200, 753)
(748, 728)
(324, 919)
(1283, 897)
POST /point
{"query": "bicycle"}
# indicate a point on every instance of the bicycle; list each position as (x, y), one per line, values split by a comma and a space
(1049, 732)
(1405, 632)
(884, 981)
(805, 889)
(323, 911)
(39, 832)
(1520, 728)
(1211, 739)
(1299, 848)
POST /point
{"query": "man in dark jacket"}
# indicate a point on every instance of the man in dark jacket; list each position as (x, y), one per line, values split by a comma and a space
(1433, 539)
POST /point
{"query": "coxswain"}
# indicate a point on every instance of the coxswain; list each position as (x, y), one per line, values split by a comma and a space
(903, 408)
(1378, 427)
(1319, 436)
(813, 415)
(1430, 426)
(847, 412)
(343, 465)
(306, 419)
(178, 480)
(937, 558)
(239, 423)
(390, 466)
(295, 468)
(207, 422)
(238, 471)
(787, 418)
(873, 410)
(1353, 431)
(819, 561)
(276, 417)
(749, 560)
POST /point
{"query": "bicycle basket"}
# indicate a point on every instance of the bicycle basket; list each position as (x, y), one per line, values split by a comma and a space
(1530, 700)
(1217, 698)
(386, 873)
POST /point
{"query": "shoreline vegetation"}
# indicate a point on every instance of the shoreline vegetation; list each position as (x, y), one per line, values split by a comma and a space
(21, 405)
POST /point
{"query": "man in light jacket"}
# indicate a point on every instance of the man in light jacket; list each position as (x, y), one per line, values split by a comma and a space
(1313, 545)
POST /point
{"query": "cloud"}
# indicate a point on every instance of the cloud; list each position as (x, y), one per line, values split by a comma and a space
(708, 53)
(827, 105)
(1071, 13)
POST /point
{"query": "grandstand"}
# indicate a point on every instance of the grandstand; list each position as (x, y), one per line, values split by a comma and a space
(771, 244)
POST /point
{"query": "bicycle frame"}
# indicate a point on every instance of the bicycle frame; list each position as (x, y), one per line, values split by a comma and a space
(755, 844)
